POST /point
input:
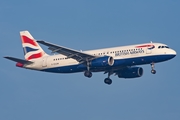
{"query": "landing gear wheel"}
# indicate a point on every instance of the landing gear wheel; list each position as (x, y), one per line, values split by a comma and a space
(153, 71)
(88, 74)
(108, 81)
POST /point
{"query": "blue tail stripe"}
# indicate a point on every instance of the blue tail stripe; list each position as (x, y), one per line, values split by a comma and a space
(28, 49)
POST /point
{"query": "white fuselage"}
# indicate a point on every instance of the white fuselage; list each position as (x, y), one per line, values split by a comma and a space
(124, 56)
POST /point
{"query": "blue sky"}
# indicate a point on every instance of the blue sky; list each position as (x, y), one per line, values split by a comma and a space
(83, 25)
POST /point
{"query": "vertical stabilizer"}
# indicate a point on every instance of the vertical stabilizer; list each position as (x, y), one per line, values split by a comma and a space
(31, 48)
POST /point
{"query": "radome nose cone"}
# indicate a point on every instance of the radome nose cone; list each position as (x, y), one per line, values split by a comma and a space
(174, 53)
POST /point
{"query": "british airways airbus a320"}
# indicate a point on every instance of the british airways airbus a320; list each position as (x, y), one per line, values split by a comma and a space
(121, 61)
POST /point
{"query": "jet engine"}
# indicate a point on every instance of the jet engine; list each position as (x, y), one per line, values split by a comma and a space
(133, 72)
(102, 62)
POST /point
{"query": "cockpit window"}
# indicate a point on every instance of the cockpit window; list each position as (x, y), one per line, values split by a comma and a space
(163, 47)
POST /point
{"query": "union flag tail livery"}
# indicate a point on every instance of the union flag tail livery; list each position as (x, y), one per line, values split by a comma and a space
(122, 61)
(31, 48)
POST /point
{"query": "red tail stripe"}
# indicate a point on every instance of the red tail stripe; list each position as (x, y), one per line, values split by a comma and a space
(25, 39)
(38, 55)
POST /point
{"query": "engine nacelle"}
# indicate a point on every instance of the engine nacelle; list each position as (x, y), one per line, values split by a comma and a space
(102, 62)
(133, 72)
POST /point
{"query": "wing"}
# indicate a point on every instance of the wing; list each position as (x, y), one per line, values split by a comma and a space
(70, 53)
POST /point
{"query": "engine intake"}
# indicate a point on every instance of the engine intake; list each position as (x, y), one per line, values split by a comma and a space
(102, 62)
(133, 72)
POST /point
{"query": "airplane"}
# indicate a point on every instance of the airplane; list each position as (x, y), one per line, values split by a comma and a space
(121, 61)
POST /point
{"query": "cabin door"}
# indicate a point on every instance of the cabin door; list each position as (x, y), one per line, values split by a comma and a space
(44, 62)
(148, 51)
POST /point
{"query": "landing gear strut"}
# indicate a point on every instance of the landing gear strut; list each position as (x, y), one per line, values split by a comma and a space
(108, 80)
(152, 67)
(88, 73)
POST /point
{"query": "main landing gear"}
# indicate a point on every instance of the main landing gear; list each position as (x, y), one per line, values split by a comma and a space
(88, 74)
(108, 80)
(152, 67)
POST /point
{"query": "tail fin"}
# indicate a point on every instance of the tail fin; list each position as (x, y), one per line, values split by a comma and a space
(31, 48)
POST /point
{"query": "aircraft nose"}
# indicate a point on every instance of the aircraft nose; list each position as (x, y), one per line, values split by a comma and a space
(173, 53)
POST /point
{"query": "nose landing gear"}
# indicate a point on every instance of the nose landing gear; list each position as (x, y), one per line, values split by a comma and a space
(152, 67)
(153, 71)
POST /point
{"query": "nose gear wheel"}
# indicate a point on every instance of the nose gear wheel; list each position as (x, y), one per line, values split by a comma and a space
(153, 71)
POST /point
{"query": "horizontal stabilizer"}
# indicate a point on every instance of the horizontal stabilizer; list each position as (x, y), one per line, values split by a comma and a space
(19, 60)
